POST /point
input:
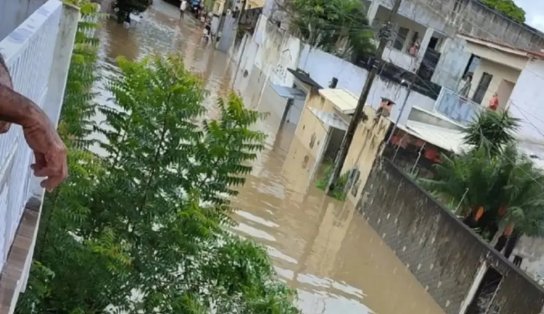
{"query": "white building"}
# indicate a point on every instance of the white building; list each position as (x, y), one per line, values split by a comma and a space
(434, 25)
(36, 40)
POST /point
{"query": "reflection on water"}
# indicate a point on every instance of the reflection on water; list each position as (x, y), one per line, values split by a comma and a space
(319, 246)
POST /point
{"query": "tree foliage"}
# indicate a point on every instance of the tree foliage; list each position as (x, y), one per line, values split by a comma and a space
(508, 8)
(143, 229)
(492, 130)
(493, 176)
(337, 26)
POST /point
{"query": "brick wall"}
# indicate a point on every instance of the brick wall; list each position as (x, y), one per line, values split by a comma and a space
(442, 253)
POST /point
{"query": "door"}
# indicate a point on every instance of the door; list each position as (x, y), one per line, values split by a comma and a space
(504, 92)
(481, 90)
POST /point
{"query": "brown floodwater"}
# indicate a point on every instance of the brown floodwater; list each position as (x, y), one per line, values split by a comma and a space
(319, 246)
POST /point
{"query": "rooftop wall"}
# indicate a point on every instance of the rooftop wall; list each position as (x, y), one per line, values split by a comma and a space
(467, 16)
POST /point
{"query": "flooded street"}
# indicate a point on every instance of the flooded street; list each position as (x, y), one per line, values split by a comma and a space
(319, 246)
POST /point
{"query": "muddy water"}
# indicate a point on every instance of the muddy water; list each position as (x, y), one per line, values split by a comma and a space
(321, 247)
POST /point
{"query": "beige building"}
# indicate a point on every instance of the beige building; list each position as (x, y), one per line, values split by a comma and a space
(321, 128)
(496, 69)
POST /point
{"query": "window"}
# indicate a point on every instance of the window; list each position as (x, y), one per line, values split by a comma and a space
(457, 6)
(433, 43)
(402, 34)
(472, 65)
(482, 87)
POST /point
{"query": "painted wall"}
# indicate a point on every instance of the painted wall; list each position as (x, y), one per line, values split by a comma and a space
(466, 16)
(364, 149)
(441, 252)
(323, 66)
(271, 51)
(13, 13)
(500, 72)
(532, 251)
(525, 102)
(452, 63)
(277, 51)
(311, 133)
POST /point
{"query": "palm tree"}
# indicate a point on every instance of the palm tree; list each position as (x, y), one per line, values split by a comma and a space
(494, 186)
(492, 130)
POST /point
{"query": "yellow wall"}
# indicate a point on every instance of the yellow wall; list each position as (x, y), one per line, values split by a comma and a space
(500, 72)
(364, 149)
(310, 126)
(253, 4)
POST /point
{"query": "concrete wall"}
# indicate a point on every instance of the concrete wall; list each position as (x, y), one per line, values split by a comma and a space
(532, 251)
(13, 13)
(466, 16)
(452, 63)
(364, 149)
(311, 133)
(323, 66)
(525, 102)
(442, 253)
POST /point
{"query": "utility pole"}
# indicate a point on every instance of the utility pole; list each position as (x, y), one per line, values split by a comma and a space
(408, 92)
(245, 39)
(384, 35)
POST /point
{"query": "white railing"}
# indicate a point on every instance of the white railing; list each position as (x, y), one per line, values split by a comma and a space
(29, 52)
(456, 108)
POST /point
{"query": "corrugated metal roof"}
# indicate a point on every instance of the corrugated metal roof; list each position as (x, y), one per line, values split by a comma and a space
(342, 99)
(448, 139)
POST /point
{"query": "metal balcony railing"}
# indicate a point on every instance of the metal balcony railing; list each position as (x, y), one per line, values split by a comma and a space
(456, 108)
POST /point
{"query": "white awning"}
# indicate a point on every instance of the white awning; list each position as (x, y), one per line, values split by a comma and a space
(342, 99)
(330, 119)
(447, 139)
(288, 92)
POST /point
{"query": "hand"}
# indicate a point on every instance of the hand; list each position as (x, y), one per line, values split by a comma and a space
(49, 152)
(4, 127)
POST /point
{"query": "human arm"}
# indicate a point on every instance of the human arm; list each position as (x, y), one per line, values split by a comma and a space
(40, 135)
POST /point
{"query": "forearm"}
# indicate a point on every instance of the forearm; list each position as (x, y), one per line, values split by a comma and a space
(18, 109)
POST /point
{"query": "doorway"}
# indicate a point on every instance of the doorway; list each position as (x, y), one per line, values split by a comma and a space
(336, 137)
(504, 91)
(481, 90)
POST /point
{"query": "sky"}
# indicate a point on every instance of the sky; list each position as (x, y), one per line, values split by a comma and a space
(534, 12)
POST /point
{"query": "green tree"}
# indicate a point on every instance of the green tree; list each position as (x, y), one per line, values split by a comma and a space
(508, 8)
(337, 26)
(143, 229)
(493, 185)
(492, 130)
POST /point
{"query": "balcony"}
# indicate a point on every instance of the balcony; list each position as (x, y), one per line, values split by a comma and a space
(38, 55)
(459, 109)
(399, 58)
